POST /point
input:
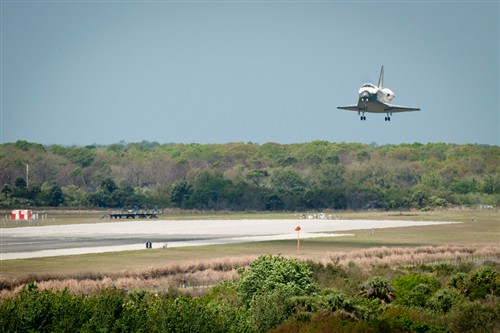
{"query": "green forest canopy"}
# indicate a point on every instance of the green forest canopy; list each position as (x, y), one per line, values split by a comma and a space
(247, 176)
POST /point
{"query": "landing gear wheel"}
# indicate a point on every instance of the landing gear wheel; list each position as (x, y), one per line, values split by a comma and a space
(363, 118)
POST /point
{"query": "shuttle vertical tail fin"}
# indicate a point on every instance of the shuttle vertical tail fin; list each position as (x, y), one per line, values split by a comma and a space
(381, 78)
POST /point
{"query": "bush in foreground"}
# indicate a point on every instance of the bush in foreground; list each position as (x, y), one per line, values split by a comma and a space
(269, 273)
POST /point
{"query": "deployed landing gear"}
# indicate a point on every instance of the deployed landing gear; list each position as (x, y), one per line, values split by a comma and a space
(363, 118)
(387, 118)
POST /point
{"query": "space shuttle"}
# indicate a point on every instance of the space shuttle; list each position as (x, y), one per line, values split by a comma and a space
(376, 99)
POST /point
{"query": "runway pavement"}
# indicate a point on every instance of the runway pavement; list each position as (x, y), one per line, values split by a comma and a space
(46, 241)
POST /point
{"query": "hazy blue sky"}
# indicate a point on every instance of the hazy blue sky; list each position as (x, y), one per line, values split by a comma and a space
(83, 72)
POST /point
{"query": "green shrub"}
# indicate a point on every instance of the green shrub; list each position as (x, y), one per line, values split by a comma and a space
(268, 310)
(326, 275)
(366, 309)
(336, 300)
(305, 303)
(106, 309)
(332, 322)
(42, 311)
(224, 291)
(135, 314)
(443, 269)
(33, 309)
(378, 288)
(444, 300)
(268, 273)
(478, 283)
(460, 282)
(414, 289)
(482, 282)
(403, 319)
(475, 317)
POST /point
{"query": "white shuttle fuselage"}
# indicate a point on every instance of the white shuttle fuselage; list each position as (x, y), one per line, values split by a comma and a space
(376, 99)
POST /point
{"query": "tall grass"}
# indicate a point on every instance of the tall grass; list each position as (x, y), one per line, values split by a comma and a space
(195, 275)
(199, 276)
(398, 256)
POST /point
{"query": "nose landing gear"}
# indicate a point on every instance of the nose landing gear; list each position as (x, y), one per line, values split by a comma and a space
(362, 115)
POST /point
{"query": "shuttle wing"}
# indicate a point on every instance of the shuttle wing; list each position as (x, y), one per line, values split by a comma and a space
(399, 108)
(349, 108)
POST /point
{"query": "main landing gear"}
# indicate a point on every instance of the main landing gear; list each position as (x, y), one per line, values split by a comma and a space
(363, 118)
(388, 117)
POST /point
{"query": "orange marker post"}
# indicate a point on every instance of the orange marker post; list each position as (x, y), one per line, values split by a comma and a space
(298, 239)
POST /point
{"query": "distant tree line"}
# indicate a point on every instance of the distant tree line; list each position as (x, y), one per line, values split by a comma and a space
(246, 176)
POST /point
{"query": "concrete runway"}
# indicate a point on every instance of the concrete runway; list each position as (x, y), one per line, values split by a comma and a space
(47, 241)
